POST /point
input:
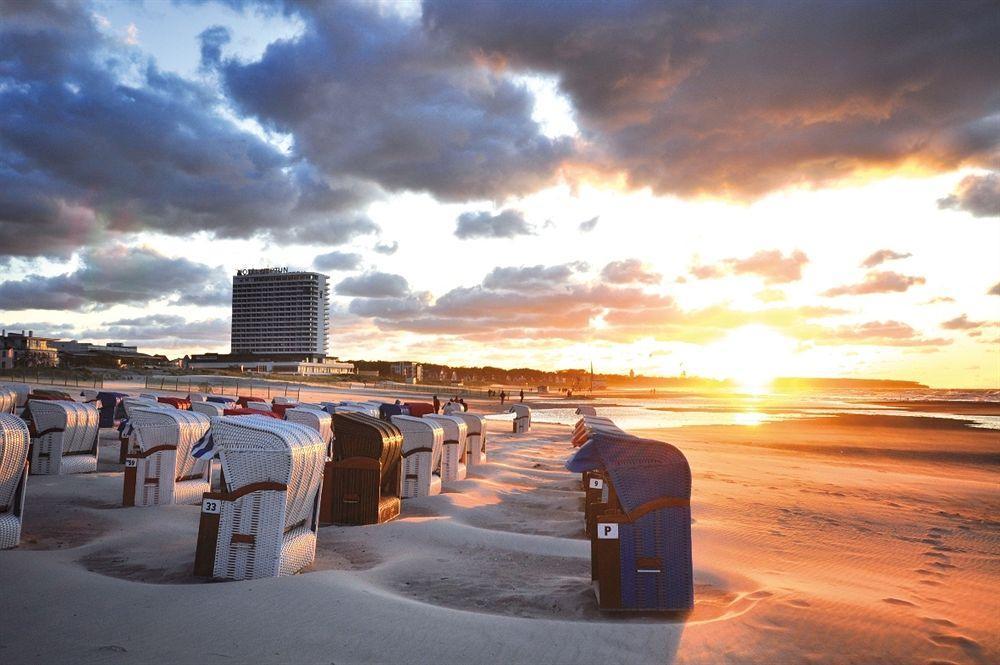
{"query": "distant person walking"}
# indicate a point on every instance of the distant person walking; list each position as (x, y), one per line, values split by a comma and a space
(503, 396)
(522, 395)
(437, 404)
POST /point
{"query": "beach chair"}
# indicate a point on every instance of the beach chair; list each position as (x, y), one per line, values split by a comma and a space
(250, 412)
(255, 405)
(387, 411)
(418, 409)
(319, 420)
(285, 400)
(263, 521)
(176, 402)
(15, 440)
(88, 396)
(586, 411)
(8, 400)
(362, 481)
(475, 438)
(64, 436)
(207, 408)
(219, 399)
(197, 397)
(453, 457)
(522, 418)
(423, 441)
(161, 470)
(124, 413)
(641, 547)
(22, 390)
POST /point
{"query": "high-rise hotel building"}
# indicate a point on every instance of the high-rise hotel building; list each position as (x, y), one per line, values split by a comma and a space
(277, 312)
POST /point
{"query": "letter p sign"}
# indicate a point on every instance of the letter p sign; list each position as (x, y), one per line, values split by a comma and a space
(607, 531)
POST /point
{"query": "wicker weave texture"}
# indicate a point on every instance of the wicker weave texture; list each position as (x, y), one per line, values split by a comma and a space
(475, 438)
(14, 440)
(71, 441)
(423, 443)
(276, 528)
(162, 473)
(453, 466)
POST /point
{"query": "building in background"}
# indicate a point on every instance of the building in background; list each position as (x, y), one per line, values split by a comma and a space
(26, 350)
(280, 324)
(277, 312)
(408, 371)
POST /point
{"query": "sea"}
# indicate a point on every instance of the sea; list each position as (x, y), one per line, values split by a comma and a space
(664, 409)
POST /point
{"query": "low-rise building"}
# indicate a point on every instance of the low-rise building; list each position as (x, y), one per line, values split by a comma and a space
(26, 350)
(306, 365)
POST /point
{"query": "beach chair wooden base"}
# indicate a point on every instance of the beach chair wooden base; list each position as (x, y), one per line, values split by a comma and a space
(352, 494)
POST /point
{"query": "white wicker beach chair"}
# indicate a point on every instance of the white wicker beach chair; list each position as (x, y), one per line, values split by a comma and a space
(522, 418)
(453, 457)
(586, 411)
(285, 400)
(258, 406)
(319, 420)
(64, 438)
(14, 442)
(152, 396)
(89, 396)
(162, 471)
(423, 444)
(22, 390)
(208, 408)
(197, 397)
(125, 431)
(8, 400)
(475, 438)
(263, 522)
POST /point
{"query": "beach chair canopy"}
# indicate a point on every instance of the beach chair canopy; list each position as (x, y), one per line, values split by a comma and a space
(208, 408)
(319, 420)
(14, 442)
(21, 389)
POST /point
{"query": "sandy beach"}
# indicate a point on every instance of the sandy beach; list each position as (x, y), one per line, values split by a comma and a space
(827, 540)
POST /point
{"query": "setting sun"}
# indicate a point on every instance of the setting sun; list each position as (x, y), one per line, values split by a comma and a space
(753, 356)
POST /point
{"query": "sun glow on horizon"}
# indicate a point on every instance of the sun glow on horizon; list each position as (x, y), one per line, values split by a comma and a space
(753, 356)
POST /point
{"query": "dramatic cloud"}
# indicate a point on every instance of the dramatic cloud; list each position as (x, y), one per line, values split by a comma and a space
(337, 261)
(976, 194)
(82, 151)
(374, 285)
(962, 323)
(741, 98)
(118, 274)
(772, 265)
(881, 256)
(368, 94)
(165, 330)
(531, 278)
(882, 333)
(387, 248)
(629, 271)
(212, 40)
(590, 224)
(877, 282)
(505, 224)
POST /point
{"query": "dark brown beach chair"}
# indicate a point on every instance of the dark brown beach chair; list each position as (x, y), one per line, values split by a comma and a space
(362, 483)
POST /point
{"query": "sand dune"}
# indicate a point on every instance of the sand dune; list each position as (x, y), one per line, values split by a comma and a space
(799, 557)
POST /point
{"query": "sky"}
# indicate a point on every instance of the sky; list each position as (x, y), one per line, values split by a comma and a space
(732, 190)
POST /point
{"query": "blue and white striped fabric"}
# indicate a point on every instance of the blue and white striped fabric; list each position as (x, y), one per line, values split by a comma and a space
(205, 446)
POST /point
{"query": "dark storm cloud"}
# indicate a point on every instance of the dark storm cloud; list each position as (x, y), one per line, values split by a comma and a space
(741, 98)
(337, 261)
(976, 194)
(374, 285)
(505, 224)
(212, 40)
(94, 138)
(119, 275)
(368, 94)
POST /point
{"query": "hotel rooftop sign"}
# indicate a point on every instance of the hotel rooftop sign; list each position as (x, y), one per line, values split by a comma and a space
(260, 271)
